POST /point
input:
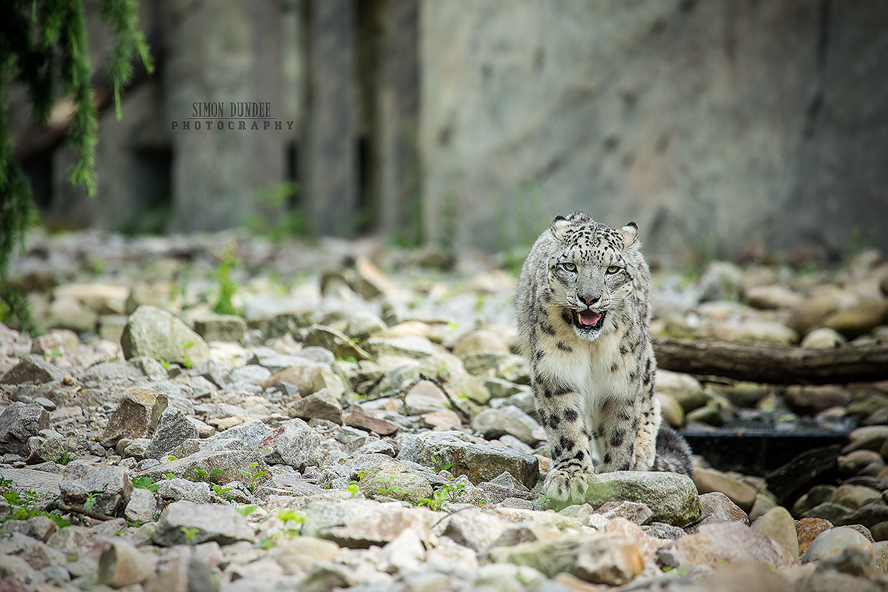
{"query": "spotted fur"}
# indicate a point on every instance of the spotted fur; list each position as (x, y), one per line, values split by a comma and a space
(593, 382)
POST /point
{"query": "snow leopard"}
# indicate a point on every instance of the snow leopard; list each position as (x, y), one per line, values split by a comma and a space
(584, 313)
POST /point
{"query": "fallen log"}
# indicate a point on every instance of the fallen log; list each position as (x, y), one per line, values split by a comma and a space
(773, 365)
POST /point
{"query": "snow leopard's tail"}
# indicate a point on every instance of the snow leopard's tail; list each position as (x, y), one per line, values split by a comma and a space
(673, 453)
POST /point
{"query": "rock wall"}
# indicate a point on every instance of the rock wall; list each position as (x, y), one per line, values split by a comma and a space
(717, 126)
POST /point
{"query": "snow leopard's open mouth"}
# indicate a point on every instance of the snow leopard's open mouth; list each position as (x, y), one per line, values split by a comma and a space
(589, 320)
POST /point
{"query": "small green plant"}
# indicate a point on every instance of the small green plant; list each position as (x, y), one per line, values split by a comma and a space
(53, 353)
(267, 543)
(165, 364)
(198, 474)
(385, 486)
(222, 492)
(247, 510)
(353, 488)
(350, 359)
(252, 476)
(227, 286)
(145, 483)
(190, 534)
(90, 501)
(291, 521)
(444, 495)
(440, 466)
(64, 457)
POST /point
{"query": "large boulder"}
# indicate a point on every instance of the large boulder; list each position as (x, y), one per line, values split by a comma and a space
(157, 334)
(18, 423)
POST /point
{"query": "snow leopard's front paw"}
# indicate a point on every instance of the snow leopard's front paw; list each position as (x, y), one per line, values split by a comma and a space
(567, 486)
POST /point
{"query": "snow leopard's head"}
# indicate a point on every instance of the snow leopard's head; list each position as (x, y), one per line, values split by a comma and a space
(590, 273)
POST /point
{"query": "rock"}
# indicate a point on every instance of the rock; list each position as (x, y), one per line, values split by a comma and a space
(157, 334)
(868, 515)
(38, 527)
(741, 577)
(671, 497)
(425, 397)
(308, 377)
(834, 513)
(493, 423)
(38, 555)
(808, 529)
(771, 297)
(322, 404)
(18, 423)
(812, 312)
(173, 429)
(753, 330)
(141, 506)
(480, 340)
(44, 485)
(717, 544)
(231, 462)
(121, 564)
(477, 461)
(858, 319)
(474, 529)
(299, 554)
(717, 508)
(832, 543)
(249, 374)
(205, 522)
(406, 347)
(362, 324)
(779, 525)
(98, 297)
(338, 343)
(32, 368)
(740, 493)
(852, 463)
(599, 559)
(67, 312)
(61, 340)
(681, 387)
(635, 512)
(671, 409)
(721, 281)
(404, 554)
(394, 480)
(855, 496)
(221, 328)
(356, 417)
(291, 443)
(823, 338)
(357, 523)
(108, 487)
(136, 415)
(470, 388)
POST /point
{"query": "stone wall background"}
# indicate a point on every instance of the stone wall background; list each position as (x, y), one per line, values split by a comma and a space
(723, 128)
(719, 125)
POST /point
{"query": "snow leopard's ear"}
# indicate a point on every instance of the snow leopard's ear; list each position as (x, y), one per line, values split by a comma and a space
(559, 227)
(630, 235)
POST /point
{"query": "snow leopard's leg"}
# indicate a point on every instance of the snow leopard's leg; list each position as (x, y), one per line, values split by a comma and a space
(569, 441)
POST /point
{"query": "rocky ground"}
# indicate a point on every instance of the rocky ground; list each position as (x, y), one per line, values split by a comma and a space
(363, 422)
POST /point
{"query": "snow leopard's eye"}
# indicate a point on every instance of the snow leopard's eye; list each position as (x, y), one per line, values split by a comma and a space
(613, 269)
(569, 266)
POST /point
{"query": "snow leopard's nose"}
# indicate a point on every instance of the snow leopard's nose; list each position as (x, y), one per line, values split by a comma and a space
(589, 300)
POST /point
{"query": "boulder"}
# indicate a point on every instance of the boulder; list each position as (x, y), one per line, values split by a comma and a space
(18, 423)
(136, 415)
(671, 497)
(157, 334)
(186, 523)
(32, 368)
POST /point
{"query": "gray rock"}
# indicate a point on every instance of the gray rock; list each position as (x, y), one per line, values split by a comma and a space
(157, 334)
(38, 527)
(721, 281)
(250, 433)
(832, 543)
(32, 368)
(393, 480)
(338, 343)
(18, 423)
(109, 487)
(661, 530)
(835, 513)
(249, 374)
(636, 512)
(320, 405)
(178, 490)
(407, 347)
(493, 423)
(42, 483)
(137, 449)
(291, 444)
(671, 497)
(716, 544)
(358, 524)
(474, 529)
(38, 554)
(598, 559)
(206, 522)
(119, 370)
(717, 508)
(151, 368)
(121, 564)
(141, 506)
(273, 360)
(173, 429)
(136, 415)
(778, 524)
(231, 463)
(479, 462)
(221, 328)
(363, 324)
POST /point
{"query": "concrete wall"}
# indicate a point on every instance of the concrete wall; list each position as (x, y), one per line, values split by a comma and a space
(717, 125)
